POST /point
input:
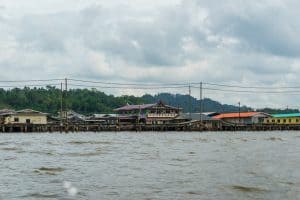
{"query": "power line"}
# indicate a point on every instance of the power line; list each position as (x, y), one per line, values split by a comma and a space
(123, 87)
(34, 85)
(253, 87)
(213, 93)
(185, 85)
(149, 86)
(133, 84)
(32, 80)
(249, 91)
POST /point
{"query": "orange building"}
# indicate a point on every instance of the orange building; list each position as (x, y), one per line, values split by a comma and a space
(243, 117)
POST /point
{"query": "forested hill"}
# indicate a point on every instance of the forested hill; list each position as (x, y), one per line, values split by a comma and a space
(48, 100)
(93, 101)
(183, 101)
(209, 105)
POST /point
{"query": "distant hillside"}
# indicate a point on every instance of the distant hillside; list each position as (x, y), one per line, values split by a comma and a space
(278, 111)
(93, 101)
(183, 102)
(48, 100)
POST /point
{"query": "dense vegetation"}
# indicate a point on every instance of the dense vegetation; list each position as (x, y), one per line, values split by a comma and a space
(278, 111)
(93, 101)
(183, 101)
(49, 99)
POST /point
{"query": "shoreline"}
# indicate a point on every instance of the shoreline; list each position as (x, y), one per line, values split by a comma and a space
(33, 128)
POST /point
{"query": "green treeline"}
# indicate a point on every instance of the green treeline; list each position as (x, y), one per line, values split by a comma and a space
(49, 100)
(87, 101)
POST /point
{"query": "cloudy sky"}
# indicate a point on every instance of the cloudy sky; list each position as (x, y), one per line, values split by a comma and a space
(234, 42)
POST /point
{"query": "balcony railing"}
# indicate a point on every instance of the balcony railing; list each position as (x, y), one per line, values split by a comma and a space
(161, 115)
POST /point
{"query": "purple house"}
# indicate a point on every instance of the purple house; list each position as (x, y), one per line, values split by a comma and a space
(157, 113)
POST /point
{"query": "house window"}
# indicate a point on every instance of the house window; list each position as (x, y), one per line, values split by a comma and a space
(16, 119)
(273, 120)
(284, 120)
(278, 120)
(290, 120)
(297, 120)
(28, 121)
(268, 121)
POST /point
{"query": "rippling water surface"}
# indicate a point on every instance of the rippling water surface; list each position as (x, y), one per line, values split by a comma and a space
(248, 165)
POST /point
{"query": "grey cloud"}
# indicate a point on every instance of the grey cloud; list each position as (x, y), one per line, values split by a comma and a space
(45, 33)
(156, 38)
(138, 41)
(260, 25)
(273, 36)
(2, 8)
(230, 41)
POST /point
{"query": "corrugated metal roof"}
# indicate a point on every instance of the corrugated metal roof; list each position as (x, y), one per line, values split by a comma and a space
(195, 116)
(4, 112)
(73, 114)
(142, 106)
(7, 111)
(236, 115)
(210, 114)
(104, 115)
(286, 115)
(135, 107)
(30, 111)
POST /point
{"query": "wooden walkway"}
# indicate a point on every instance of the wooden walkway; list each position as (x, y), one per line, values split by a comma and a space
(186, 126)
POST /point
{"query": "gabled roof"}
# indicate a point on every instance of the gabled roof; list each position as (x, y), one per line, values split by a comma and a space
(73, 114)
(286, 115)
(135, 107)
(103, 115)
(4, 112)
(195, 116)
(30, 111)
(142, 107)
(210, 114)
(237, 115)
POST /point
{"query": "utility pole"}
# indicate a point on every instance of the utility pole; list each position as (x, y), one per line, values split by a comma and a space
(239, 112)
(190, 106)
(139, 117)
(66, 103)
(201, 104)
(61, 105)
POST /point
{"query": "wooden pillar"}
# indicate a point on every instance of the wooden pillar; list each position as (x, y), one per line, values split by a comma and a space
(66, 128)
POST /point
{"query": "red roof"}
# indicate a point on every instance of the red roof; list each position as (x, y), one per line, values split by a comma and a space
(135, 107)
(235, 115)
(143, 106)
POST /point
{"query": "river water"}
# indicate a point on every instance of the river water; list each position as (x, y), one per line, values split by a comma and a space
(150, 165)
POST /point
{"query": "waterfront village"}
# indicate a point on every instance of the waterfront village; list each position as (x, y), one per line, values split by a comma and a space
(146, 117)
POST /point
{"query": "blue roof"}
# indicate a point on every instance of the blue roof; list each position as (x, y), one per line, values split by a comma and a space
(287, 115)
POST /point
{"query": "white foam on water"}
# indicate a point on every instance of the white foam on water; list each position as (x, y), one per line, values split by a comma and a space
(67, 184)
(71, 190)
